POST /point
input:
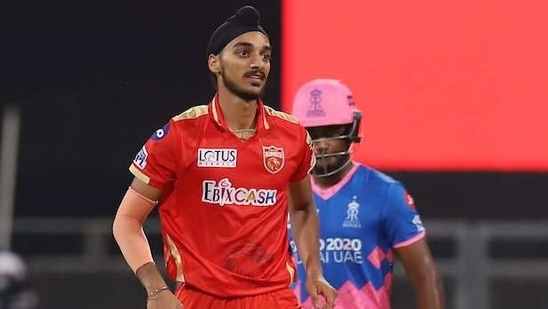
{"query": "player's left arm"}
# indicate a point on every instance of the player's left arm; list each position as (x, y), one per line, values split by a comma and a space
(305, 225)
(305, 228)
(302, 210)
(407, 235)
(421, 269)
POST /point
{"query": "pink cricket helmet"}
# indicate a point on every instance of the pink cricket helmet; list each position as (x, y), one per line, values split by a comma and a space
(323, 102)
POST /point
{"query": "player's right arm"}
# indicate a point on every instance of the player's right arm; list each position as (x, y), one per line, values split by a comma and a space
(407, 235)
(139, 201)
(153, 168)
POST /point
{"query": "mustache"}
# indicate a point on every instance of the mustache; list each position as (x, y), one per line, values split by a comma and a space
(261, 74)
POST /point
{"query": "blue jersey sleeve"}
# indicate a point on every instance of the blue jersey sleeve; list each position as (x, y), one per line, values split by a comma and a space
(403, 225)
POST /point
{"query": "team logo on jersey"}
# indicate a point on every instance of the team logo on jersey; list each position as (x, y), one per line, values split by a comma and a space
(141, 158)
(273, 158)
(352, 212)
(217, 157)
(315, 108)
(222, 193)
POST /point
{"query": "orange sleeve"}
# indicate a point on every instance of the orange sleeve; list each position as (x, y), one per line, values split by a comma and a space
(127, 228)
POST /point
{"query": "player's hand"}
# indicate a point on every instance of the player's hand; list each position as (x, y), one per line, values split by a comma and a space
(164, 300)
(317, 287)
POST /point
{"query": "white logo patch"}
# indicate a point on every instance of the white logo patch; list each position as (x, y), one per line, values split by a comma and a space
(217, 157)
(352, 219)
(160, 133)
(141, 158)
(418, 223)
(223, 194)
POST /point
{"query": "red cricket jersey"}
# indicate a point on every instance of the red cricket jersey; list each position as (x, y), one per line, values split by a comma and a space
(224, 205)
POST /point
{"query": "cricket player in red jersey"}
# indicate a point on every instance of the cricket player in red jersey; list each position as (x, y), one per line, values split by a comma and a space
(222, 175)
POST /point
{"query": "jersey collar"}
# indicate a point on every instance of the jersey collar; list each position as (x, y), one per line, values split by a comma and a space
(218, 117)
(327, 193)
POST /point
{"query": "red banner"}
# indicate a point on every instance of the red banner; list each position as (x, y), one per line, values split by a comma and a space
(443, 85)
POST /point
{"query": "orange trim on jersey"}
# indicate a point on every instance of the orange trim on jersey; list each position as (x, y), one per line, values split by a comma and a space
(140, 175)
(192, 113)
(285, 116)
(174, 252)
(262, 113)
(311, 146)
(214, 109)
(265, 123)
(312, 163)
(291, 272)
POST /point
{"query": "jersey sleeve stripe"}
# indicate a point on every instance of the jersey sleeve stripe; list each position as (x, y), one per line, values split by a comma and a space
(410, 241)
(137, 173)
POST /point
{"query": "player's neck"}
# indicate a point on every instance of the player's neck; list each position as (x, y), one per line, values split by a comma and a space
(238, 114)
(330, 181)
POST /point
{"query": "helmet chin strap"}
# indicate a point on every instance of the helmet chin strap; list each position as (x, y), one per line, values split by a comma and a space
(343, 160)
(333, 172)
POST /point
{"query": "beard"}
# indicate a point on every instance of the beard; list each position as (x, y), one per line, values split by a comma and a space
(240, 92)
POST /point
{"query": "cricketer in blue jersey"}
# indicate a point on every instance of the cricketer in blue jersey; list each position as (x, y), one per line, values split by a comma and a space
(366, 217)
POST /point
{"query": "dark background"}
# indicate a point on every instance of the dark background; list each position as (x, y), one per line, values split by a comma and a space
(95, 78)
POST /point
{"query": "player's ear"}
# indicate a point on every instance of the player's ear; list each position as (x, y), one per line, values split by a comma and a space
(213, 62)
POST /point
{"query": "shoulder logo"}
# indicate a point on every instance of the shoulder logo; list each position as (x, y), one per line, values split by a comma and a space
(160, 133)
(418, 223)
(217, 157)
(352, 212)
(141, 158)
(273, 158)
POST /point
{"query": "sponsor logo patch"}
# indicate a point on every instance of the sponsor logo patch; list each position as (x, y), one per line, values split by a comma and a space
(160, 133)
(217, 157)
(222, 193)
(141, 158)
